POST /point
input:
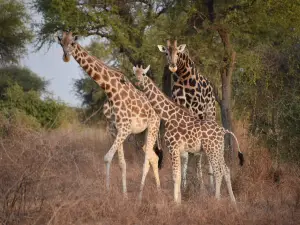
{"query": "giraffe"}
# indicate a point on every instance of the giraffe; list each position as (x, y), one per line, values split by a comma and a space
(192, 91)
(131, 110)
(186, 133)
(112, 130)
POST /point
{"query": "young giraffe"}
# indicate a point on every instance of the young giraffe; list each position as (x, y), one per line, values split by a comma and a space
(131, 110)
(186, 133)
(192, 91)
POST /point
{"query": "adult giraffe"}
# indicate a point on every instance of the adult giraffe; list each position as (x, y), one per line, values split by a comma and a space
(131, 110)
(192, 91)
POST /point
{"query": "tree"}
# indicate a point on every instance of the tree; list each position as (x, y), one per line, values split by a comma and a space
(23, 77)
(14, 31)
(231, 42)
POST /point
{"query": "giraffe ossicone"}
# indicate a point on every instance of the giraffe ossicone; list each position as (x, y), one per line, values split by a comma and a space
(186, 133)
(131, 110)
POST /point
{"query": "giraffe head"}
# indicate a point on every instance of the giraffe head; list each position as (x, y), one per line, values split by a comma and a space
(67, 42)
(171, 52)
(140, 73)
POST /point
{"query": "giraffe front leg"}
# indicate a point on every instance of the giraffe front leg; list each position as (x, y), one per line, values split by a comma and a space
(211, 177)
(122, 165)
(184, 164)
(176, 176)
(146, 167)
(121, 136)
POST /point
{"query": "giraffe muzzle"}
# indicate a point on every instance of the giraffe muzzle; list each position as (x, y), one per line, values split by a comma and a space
(66, 58)
(173, 69)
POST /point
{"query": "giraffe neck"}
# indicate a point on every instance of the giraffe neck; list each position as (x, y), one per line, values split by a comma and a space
(97, 70)
(186, 66)
(163, 105)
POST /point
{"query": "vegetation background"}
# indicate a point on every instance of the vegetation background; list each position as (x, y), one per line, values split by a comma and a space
(51, 155)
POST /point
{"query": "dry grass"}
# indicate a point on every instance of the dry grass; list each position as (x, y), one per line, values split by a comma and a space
(58, 178)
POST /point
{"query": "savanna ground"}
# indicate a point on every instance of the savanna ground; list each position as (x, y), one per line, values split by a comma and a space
(57, 177)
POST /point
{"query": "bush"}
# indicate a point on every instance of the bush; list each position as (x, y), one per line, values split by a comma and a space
(48, 113)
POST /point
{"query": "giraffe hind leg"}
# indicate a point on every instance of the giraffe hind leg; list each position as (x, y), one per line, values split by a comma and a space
(184, 164)
(150, 157)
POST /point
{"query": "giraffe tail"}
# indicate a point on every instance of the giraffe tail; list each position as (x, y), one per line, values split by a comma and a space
(159, 152)
(240, 154)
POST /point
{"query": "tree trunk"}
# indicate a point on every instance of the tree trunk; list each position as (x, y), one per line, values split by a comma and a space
(227, 68)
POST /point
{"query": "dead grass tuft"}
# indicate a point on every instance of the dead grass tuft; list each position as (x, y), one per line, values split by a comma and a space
(58, 178)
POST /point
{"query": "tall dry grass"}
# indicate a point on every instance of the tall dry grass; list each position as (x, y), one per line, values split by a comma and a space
(58, 178)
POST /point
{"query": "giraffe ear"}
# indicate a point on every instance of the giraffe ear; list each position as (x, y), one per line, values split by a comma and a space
(134, 69)
(56, 37)
(75, 37)
(146, 70)
(162, 48)
(181, 47)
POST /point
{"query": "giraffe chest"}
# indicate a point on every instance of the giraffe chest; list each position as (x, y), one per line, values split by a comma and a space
(138, 125)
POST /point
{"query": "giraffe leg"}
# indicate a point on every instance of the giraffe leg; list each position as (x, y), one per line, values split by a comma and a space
(211, 177)
(184, 164)
(199, 170)
(146, 167)
(228, 183)
(121, 136)
(214, 161)
(176, 175)
(218, 179)
(150, 156)
(122, 165)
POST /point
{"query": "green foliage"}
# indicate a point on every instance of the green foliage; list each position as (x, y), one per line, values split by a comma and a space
(23, 77)
(14, 30)
(48, 113)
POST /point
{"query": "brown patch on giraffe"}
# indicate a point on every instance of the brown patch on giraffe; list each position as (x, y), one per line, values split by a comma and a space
(143, 113)
(96, 76)
(123, 94)
(113, 82)
(85, 67)
(204, 135)
(109, 94)
(182, 131)
(117, 97)
(102, 85)
(177, 136)
(117, 103)
(113, 90)
(131, 94)
(84, 54)
(209, 132)
(105, 77)
(89, 70)
(89, 60)
(135, 110)
(165, 115)
(171, 111)
(139, 103)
